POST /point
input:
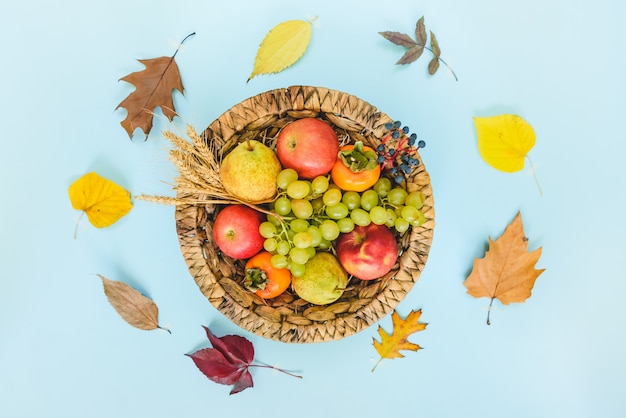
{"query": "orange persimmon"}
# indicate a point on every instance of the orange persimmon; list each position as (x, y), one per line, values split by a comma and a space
(355, 172)
(263, 278)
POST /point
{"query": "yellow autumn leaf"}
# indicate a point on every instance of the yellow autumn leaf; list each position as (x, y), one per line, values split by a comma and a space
(283, 45)
(504, 141)
(102, 200)
(390, 345)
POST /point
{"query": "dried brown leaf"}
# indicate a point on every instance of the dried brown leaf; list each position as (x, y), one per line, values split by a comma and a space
(416, 48)
(507, 272)
(154, 86)
(433, 66)
(420, 31)
(136, 309)
(398, 38)
(411, 55)
(434, 45)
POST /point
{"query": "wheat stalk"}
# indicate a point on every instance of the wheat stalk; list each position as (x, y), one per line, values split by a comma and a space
(198, 180)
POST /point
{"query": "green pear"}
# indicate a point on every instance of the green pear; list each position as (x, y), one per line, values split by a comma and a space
(249, 171)
(323, 281)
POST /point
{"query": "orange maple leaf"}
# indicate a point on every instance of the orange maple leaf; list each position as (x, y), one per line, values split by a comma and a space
(153, 88)
(390, 344)
(507, 272)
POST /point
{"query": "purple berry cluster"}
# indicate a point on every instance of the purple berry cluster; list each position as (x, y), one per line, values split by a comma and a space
(397, 151)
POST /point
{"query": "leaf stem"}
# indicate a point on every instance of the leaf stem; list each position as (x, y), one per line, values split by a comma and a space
(376, 365)
(181, 43)
(267, 366)
(444, 63)
(489, 311)
(164, 329)
(78, 223)
(532, 168)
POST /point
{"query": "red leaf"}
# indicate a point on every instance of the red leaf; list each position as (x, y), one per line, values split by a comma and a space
(227, 363)
(214, 366)
(244, 383)
(236, 349)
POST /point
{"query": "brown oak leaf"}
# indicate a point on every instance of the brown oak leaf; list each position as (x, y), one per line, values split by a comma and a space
(507, 272)
(154, 86)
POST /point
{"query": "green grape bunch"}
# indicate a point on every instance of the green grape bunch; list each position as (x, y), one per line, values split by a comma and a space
(311, 214)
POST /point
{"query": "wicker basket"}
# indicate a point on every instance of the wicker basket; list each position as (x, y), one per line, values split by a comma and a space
(288, 318)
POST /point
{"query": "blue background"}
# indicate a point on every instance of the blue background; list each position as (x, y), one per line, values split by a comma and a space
(64, 352)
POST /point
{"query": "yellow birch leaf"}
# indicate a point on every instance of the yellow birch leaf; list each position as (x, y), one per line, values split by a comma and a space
(283, 45)
(102, 200)
(390, 345)
(134, 308)
(504, 141)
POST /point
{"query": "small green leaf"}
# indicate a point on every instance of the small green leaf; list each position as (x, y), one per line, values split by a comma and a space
(359, 159)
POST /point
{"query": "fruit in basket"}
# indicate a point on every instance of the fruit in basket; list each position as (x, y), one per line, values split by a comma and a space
(309, 146)
(263, 278)
(249, 171)
(367, 252)
(236, 231)
(323, 281)
(357, 168)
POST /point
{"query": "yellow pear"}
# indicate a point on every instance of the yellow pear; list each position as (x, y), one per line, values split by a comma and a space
(249, 171)
(323, 281)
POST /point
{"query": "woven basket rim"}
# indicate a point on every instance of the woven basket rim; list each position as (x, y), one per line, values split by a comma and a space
(320, 324)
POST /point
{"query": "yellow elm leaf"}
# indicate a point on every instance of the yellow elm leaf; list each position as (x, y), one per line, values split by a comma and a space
(283, 45)
(102, 200)
(390, 345)
(504, 141)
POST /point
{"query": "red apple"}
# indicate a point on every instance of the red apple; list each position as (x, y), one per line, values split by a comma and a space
(367, 252)
(236, 231)
(309, 146)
